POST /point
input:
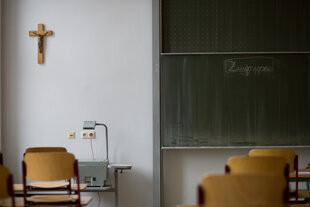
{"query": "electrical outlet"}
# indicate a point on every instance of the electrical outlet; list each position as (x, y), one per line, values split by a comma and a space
(88, 134)
(71, 135)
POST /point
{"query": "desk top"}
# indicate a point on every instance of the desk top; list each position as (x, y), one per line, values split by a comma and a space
(19, 187)
(19, 202)
(120, 166)
(302, 173)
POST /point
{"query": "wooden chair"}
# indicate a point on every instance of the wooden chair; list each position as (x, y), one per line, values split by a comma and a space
(47, 167)
(6, 185)
(288, 154)
(242, 191)
(46, 149)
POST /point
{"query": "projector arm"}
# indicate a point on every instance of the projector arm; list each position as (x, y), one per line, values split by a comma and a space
(106, 137)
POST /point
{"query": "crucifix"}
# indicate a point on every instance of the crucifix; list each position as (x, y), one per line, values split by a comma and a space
(41, 33)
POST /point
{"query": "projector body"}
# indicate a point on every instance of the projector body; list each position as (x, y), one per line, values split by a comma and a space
(93, 172)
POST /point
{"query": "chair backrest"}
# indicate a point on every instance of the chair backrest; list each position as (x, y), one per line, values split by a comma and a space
(288, 154)
(49, 166)
(290, 157)
(257, 165)
(243, 191)
(46, 149)
(6, 184)
(4, 177)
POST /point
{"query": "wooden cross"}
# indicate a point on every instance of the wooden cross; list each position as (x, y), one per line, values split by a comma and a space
(40, 33)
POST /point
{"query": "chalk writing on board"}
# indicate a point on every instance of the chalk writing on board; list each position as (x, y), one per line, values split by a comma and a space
(249, 65)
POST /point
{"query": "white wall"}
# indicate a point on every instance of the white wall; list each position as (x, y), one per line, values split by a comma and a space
(98, 66)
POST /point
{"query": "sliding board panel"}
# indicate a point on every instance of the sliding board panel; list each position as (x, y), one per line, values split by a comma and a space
(235, 25)
(235, 100)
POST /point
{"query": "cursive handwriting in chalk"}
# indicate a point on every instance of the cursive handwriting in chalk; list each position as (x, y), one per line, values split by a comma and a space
(249, 65)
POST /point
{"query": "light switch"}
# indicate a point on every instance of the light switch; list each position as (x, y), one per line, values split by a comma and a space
(71, 135)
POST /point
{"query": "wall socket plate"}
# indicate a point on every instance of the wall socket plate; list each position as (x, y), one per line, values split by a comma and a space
(88, 134)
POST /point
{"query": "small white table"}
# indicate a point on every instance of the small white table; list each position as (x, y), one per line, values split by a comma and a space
(117, 168)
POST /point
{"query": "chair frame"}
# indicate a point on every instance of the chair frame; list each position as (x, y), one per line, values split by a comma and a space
(200, 195)
(296, 176)
(68, 188)
(1, 158)
(11, 189)
(308, 167)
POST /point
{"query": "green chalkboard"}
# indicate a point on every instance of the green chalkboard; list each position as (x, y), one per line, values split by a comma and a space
(235, 25)
(235, 100)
